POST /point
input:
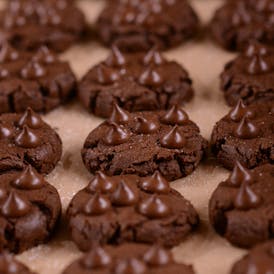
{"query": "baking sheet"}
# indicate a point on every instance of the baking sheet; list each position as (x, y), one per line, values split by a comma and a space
(209, 253)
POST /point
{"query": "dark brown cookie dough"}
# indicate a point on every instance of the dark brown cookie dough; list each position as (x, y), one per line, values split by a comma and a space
(27, 139)
(136, 82)
(128, 208)
(250, 76)
(29, 24)
(259, 260)
(239, 21)
(128, 258)
(242, 208)
(139, 25)
(38, 80)
(29, 210)
(141, 143)
(245, 134)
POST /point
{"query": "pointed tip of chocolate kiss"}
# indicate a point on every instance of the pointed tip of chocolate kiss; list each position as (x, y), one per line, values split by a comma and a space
(239, 111)
(175, 116)
(31, 119)
(97, 205)
(258, 65)
(118, 115)
(246, 129)
(158, 256)
(116, 135)
(174, 139)
(145, 126)
(102, 183)
(155, 184)
(151, 77)
(107, 75)
(154, 57)
(27, 138)
(116, 57)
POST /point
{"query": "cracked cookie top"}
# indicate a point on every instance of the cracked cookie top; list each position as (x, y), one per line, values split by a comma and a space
(128, 208)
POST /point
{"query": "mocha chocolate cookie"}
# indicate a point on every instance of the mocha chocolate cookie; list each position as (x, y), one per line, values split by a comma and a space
(245, 134)
(250, 76)
(239, 21)
(259, 260)
(29, 24)
(128, 258)
(29, 210)
(136, 82)
(242, 208)
(38, 80)
(141, 143)
(139, 25)
(27, 140)
(128, 208)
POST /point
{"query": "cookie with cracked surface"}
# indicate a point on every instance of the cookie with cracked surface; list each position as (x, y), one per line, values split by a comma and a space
(128, 208)
(238, 21)
(259, 260)
(27, 139)
(241, 208)
(142, 142)
(128, 258)
(245, 134)
(38, 80)
(136, 82)
(30, 24)
(142, 24)
(250, 76)
(29, 210)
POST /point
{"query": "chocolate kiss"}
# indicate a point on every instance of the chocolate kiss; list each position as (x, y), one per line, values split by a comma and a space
(97, 205)
(118, 115)
(239, 175)
(246, 198)
(116, 58)
(257, 65)
(15, 206)
(7, 53)
(107, 75)
(96, 258)
(27, 138)
(102, 183)
(33, 70)
(246, 129)
(157, 256)
(154, 207)
(29, 179)
(173, 139)
(150, 77)
(255, 48)
(144, 126)
(31, 119)
(153, 57)
(124, 195)
(175, 116)
(239, 111)
(5, 132)
(130, 266)
(116, 135)
(155, 184)
(44, 55)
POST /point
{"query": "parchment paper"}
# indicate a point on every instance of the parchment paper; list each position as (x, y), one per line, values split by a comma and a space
(209, 253)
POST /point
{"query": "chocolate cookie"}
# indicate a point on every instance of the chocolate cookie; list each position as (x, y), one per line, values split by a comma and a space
(242, 208)
(250, 76)
(29, 210)
(128, 258)
(245, 134)
(9, 265)
(139, 25)
(136, 82)
(141, 143)
(259, 260)
(128, 208)
(38, 80)
(29, 24)
(27, 139)
(239, 21)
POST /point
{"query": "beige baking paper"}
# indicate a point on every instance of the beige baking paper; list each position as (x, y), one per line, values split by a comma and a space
(209, 253)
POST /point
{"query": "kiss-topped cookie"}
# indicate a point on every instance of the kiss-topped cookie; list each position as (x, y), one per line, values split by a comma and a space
(141, 143)
(242, 208)
(245, 134)
(250, 76)
(136, 82)
(128, 258)
(239, 21)
(38, 80)
(259, 260)
(128, 208)
(30, 24)
(139, 25)
(26, 139)
(29, 210)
